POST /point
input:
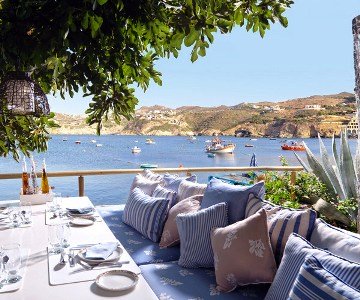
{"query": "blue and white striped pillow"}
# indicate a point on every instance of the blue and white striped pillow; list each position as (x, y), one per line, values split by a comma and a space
(296, 251)
(172, 182)
(195, 235)
(315, 282)
(152, 176)
(161, 192)
(146, 214)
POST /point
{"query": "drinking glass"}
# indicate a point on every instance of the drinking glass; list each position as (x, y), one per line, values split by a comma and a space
(65, 234)
(26, 212)
(54, 237)
(11, 261)
(2, 271)
(57, 201)
(14, 216)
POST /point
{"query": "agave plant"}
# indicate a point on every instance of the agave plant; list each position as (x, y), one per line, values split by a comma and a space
(337, 171)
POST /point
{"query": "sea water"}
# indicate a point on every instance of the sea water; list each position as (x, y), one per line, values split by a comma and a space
(115, 153)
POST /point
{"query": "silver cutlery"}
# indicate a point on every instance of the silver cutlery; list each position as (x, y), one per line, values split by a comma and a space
(103, 265)
(71, 259)
(62, 258)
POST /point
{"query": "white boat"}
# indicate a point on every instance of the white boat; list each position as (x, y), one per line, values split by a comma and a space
(219, 146)
(93, 141)
(253, 139)
(149, 141)
(135, 149)
(77, 142)
(98, 145)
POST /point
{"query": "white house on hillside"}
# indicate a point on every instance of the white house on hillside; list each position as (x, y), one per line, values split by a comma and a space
(313, 106)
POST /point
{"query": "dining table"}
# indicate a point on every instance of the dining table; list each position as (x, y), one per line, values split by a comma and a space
(36, 283)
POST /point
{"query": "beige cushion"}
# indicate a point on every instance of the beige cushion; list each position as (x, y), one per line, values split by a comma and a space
(146, 185)
(242, 253)
(170, 235)
(188, 189)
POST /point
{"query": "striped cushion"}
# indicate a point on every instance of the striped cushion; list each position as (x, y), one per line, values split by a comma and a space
(188, 189)
(255, 203)
(194, 231)
(146, 185)
(283, 222)
(314, 282)
(296, 251)
(161, 192)
(146, 214)
(152, 176)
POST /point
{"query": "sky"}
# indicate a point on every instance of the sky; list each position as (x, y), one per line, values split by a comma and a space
(312, 56)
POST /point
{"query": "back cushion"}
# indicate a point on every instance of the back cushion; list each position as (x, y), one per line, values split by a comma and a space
(235, 196)
(172, 182)
(146, 185)
(188, 189)
(152, 176)
(336, 240)
(161, 192)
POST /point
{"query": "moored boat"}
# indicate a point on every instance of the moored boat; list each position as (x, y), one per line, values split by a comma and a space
(294, 146)
(149, 141)
(148, 166)
(135, 149)
(77, 142)
(249, 145)
(219, 146)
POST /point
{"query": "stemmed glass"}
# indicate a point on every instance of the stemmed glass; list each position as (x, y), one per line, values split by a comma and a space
(26, 213)
(11, 261)
(14, 216)
(65, 235)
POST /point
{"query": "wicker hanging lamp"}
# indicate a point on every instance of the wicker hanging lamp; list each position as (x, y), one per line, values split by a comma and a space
(22, 96)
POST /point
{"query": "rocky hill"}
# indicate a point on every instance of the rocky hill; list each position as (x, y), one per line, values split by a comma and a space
(303, 117)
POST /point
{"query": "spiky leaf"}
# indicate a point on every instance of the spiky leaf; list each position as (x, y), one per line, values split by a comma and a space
(347, 167)
(305, 166)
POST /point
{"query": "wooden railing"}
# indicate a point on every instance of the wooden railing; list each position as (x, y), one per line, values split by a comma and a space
(82, 173)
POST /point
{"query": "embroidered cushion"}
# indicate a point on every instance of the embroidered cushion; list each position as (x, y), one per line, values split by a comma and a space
(146, 214)
(170, 235)
(296, 251)
(194, 231)
(242, 253)
(336, 240)
(161, 192)
(315, 281)
(172, 182)
(188, 189)
(151, 175)
(236, 196)
(146, 185)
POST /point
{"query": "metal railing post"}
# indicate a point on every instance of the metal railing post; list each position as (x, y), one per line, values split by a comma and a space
(81, 186)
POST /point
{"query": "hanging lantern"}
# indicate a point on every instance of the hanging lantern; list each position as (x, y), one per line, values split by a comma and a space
(23, 96)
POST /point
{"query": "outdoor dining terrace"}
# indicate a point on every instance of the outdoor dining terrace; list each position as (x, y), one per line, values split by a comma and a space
(146, 264)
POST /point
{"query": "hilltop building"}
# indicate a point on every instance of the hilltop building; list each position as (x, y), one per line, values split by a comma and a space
(352, 127)
(313, 106)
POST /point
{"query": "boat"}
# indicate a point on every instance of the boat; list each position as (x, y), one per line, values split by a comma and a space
(135, 149)
(219, 146)
(77, 142)
(272, 139)
(253, 139)
(98, 145)
(149, 141)
(211, 155)
(249, 145)
(64, 139)
(293, 146)
(148, 166)
(93, 141)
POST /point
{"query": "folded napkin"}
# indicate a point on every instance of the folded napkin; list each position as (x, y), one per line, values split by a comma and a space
(80, 210)
(101, 251)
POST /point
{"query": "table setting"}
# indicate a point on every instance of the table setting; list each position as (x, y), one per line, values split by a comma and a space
(16, 216)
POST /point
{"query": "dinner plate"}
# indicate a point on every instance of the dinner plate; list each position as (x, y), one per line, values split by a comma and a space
(117, 280)
(78, 221)
(80, 215)
(112, 258)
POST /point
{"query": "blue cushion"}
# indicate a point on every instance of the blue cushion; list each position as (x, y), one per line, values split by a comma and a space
(170, 281)
(236, 196)
(338, 241)
(195, 239)
(141, 249)
(146, 214)
(315, 281)
(172, 182)
(161, 192)
(296, 251)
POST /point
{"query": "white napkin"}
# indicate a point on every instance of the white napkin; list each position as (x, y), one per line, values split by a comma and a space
(101, 251)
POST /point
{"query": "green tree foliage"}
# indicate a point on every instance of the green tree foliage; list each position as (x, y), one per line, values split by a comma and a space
(105, 47)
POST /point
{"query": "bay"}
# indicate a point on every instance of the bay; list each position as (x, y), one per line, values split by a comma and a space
(115, 153)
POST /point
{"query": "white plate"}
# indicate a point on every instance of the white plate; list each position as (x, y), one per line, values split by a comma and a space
(112, 258)
(81, 215)
(82, 221)
(117, 280)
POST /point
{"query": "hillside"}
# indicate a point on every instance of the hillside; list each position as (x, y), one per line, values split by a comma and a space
(289, 118)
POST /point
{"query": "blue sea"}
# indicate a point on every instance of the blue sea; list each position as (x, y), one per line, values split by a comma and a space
(115, 153)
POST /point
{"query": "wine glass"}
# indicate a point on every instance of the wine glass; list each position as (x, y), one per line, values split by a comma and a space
(57, 201)
(26, 212)
(14, 216)
(11, 260)
(65, 234)
(54, 238)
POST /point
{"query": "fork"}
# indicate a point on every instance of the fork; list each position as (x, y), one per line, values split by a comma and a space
(103, 264)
